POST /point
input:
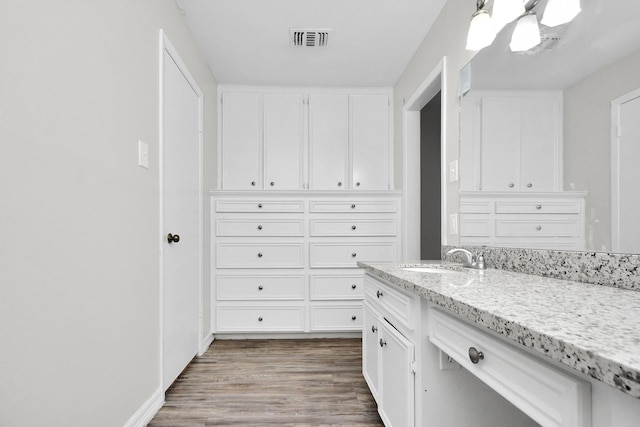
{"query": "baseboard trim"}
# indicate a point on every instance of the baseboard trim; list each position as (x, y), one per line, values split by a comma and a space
(206, 343)
(147, 411)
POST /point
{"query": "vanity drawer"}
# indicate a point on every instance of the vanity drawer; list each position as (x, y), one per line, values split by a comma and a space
(336, 318)
(259, 255)
(539, 206)
(474, 227)
(281, 287)
(353, 227)
(259, 227)
(341, 206)
(327, 255)
(259, 319)
(388, 300)
(479, 206)
(335, 287)
(537, 227)
(546, 394)
(258, 205)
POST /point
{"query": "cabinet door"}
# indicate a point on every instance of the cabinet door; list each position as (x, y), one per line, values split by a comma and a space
(283, 142)
(370, 346)
(328, 141)
(539, 134)
(241, 141)
(500, 143)
(370, 142)
(396, 378)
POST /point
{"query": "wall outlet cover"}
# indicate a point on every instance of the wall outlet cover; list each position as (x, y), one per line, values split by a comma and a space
(454, 174)
(143, 154)
(453, 224)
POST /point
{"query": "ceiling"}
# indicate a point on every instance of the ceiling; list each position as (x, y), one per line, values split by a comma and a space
(370, 42)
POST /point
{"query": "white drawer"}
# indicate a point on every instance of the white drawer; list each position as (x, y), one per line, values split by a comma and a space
(539, 206)
(353, 227)
(259, 205)
(272, 287)
(335, 287)
(259, 319)
(479, 206)
(388, 300)
(474, 227)
(259, 255)
(326, 255)
(328, 206)
(537, 227)
(336, 318)
(546, 394)
(259, 227)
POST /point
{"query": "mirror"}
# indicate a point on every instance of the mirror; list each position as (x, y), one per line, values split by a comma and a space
(587, 63)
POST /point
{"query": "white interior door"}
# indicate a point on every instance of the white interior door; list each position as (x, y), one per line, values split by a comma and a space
(627, 177)
(181, 207)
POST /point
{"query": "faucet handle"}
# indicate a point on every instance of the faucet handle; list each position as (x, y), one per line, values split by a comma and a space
(479, 260)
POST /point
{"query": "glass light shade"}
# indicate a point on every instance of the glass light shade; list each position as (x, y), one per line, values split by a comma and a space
(505, 11)
(526, 34)
(560, 12)
(481, 32)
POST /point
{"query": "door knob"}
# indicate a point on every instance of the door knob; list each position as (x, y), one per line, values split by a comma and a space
(173, 238)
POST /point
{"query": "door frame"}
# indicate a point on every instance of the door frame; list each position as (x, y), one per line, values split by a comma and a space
(435, 82)
(615, 166)
(165, 45)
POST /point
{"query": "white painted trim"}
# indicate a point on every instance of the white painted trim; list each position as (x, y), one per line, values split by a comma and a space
(435, 81)
(147, 411)
(167, 46)
(615, 166)
(206, 343)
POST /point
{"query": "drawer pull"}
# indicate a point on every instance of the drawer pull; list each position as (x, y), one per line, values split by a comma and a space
(272, 183)
(253, 183)
(259, 227)
(379, 294)
(357, 184)
(529, 185)
(538, 206)
(260, 287)
(260, 205)
(511, 185)
(353, 206)
(353, 227)
(260, 319)
(259, 254)
(353, 286)
(539, 228)
(474, 355)
(374, 329)
(339, 184)
(353, 317)
(353, 255)
(382, 342)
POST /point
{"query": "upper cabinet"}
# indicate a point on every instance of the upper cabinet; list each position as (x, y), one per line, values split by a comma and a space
(311, 139)
(515, 142)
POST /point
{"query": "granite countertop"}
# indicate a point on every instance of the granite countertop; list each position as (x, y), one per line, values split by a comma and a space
(591, 328)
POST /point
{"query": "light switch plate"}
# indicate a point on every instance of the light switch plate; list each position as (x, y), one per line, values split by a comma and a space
(453, 171)
(453, 224)
(143, 154)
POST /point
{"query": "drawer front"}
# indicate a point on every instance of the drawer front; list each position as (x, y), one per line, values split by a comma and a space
(259, 319)
(326, 255)
(539, 206)
(354, 227)
(336, 318)
(387, 299)
(259, 227)
(232, 287)
(547, 395)
(257, 205)
(335, 287)
(340, 206)
(474, 227)
(480, 206)
(256, 255)
(540, 227)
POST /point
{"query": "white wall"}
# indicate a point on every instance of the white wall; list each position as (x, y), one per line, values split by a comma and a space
(447, 37)
(587, 140)
(79, 263)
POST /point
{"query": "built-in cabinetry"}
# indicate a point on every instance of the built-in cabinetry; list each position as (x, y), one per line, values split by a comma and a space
(286, 261)
(293, 139)
(531, 220)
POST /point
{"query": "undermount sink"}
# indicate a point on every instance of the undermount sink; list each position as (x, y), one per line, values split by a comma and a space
(434, 270)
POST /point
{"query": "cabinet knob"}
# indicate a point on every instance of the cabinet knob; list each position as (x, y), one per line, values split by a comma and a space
(259, 205)
(373, 328)
(272, 183)
(173, 238)
(353, 317)
(382, 342)
(259, 227)
(539, 228)
(353, 206)
(353, 255)
(511, 185)
(260, 319)
(353, 286)
(260, 287)
(538, 206)
(339, 184)
(253, 183)
(379, 294)
(529, 185)
(357, 184)
(259, 254)
(474, 355)
(353, 227)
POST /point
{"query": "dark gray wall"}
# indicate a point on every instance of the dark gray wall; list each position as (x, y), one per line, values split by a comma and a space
(430, 211)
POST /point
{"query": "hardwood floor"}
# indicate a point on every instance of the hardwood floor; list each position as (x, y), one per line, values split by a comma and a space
(306, 382)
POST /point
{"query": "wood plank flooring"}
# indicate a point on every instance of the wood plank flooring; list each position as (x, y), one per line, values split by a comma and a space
(297, 382)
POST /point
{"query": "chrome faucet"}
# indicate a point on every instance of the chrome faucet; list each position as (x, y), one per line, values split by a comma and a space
(470, 260)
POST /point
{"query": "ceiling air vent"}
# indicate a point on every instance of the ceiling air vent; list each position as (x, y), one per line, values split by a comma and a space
(309, 37)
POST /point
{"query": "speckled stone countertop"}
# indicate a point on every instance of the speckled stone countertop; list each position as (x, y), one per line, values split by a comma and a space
(590, 328)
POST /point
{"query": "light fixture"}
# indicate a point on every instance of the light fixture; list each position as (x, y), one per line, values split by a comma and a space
(526, 34)
(560, 12)
(505, 11)
(481, 33)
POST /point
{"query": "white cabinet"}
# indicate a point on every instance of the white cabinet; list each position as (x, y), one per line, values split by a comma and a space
(515, 142)
(370, 142)
(262, 141)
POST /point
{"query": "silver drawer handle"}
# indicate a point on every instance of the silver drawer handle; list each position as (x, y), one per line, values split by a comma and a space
(529, 185)
(353, 317)
(259, 227)
(357, 184)
(353, 206)
(353, 227)
(379, 294)
(511, 185)
(260, 319)
(382, 342)
(260, 205)
(353, 286)
(260, 287)
(253, 183)
(538, 206)
(259, 254)
(339, 184)
(474, 355)
(374, 329)
(272, 183)
(539, 228)
(354, 254)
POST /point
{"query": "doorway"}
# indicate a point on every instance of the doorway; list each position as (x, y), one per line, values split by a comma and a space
(181, 107)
